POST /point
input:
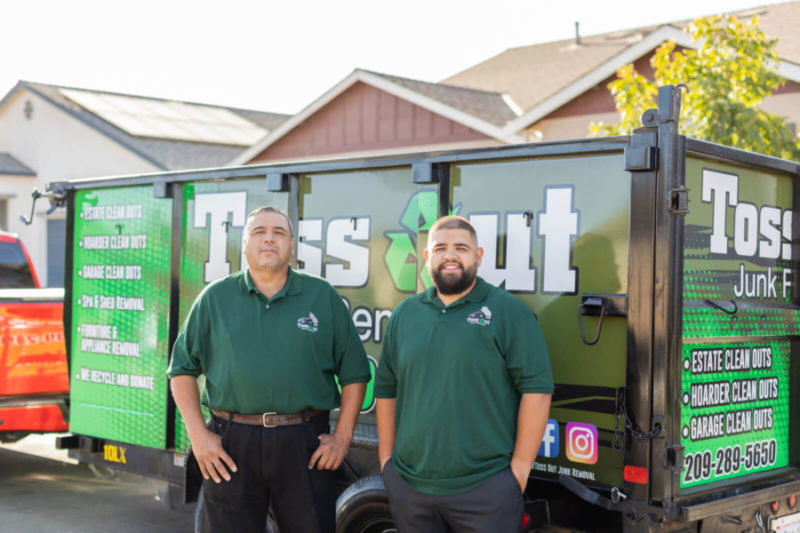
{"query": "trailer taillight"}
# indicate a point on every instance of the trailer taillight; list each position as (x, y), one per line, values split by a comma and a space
(776, 506)
(792, 501)
(526, 520)
(635, 474)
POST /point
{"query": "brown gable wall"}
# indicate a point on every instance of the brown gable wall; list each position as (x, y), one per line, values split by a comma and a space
(365, 118)
(598, 99)
(788, 87)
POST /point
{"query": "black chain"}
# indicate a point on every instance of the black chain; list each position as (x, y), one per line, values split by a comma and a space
(622, 412)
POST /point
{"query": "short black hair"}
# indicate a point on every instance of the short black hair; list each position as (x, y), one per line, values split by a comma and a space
(454, 222)
(269, 209)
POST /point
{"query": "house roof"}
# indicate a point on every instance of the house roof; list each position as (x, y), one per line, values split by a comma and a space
(171, 150)
(493, 107)
(485, 111)
(534, 74)
(10, 166)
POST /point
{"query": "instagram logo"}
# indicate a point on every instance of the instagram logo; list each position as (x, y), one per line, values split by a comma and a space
(581, 443)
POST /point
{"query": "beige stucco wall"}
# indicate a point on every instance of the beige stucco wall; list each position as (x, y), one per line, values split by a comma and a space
(785, 105)
(563, 128)
(57, 147)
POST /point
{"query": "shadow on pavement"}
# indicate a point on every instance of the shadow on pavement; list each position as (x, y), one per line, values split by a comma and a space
(38, 494)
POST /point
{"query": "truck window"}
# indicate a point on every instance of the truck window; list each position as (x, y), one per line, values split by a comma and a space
(15, 273)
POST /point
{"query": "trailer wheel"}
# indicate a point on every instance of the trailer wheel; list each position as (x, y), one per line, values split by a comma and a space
(364, 508)
(201, 526)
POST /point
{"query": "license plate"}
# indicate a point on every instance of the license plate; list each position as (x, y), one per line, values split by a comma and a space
(785, 524)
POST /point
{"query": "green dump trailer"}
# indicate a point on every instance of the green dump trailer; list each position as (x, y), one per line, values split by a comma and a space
(662, 270)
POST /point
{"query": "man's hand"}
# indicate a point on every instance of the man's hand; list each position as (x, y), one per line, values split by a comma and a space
(207, 448)
(521, 471)
(330, 453)
(531, 422)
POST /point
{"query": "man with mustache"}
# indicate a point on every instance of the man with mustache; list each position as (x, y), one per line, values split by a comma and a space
(270, 342)
(463, 389)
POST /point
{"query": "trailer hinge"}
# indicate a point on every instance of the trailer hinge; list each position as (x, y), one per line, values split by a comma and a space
(674, 458)
(640, 158)
(162, 189)
(430, 172)
(277, 182)
(679, 201)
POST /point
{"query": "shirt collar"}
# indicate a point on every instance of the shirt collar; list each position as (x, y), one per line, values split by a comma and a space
(292, 286)
(477, 294)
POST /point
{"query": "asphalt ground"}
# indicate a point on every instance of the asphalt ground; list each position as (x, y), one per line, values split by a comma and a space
(42, 491)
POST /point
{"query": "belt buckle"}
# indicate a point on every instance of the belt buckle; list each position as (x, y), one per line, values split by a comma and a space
(264, 420)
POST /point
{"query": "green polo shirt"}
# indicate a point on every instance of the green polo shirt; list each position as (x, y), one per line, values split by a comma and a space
(277, 354)
(457, 373)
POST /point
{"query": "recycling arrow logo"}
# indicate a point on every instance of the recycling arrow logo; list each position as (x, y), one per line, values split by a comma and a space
(401, 257)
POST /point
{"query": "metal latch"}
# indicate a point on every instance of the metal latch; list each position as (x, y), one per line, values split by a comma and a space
(674, 457)
(603, 305)
(55, 192)
(679, 201)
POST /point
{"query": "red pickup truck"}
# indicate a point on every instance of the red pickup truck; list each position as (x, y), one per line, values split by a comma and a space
(34, 380)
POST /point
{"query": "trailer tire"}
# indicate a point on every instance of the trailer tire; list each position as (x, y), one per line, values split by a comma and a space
(364, 508)
(200, 525)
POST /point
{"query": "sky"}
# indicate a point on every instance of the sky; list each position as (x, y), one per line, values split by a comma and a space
(280, 56)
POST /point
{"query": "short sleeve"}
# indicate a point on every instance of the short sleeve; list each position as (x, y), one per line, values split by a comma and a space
(351, 359)
(385, 379)
(190, 343)
(526, 354)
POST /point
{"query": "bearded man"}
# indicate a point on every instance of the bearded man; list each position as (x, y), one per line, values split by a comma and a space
(463, 387)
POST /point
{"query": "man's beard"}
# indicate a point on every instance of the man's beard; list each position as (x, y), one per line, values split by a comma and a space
(454, 283)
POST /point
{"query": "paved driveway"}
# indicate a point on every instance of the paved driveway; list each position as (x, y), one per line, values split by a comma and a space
(43, 493)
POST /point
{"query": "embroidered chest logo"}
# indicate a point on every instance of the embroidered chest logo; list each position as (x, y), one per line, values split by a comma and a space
(482, 317)
(308, 323)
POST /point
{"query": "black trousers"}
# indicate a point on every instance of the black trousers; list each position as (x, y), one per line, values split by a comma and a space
(494, 506)
(272, 469)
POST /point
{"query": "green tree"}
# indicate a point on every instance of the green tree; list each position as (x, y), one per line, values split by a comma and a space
(728, 75)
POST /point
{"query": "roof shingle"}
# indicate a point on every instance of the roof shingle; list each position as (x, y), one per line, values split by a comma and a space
(166, 154)
(488, 105)
(531, 74)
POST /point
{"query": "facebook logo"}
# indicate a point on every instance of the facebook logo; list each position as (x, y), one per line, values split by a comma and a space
(549, 447)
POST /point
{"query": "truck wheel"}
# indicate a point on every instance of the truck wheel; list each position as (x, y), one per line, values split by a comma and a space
(364, 508)
(200, 525)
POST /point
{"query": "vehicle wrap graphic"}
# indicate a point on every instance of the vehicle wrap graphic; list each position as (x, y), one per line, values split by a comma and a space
(211, 241)
(120, 306)
(737, 314)
(550, 231)
(420, 213)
